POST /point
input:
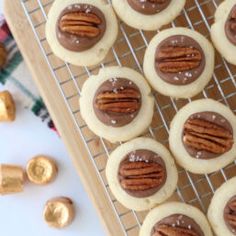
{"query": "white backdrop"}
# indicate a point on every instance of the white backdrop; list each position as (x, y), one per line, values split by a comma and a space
(21, 214)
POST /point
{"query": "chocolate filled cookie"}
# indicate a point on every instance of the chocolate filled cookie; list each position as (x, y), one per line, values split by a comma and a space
(222, 209)
(176, 219)
(223, 31)
(81, 32)
(203, 136)
(117, 104)
(141, 173)
(148, 14)
(179, 62)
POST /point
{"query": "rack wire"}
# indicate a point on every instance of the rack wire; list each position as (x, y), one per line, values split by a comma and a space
(129, 51)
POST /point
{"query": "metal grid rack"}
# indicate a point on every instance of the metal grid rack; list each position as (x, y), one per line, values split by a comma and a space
(129, 50)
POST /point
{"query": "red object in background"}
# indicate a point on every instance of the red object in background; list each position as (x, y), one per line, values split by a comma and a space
(4, 30)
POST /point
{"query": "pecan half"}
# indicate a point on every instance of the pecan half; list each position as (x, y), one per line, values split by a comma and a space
(204, 135)
(124, 101)
(81, 24)
(138, 176)
(166, 230)
(174, 59)
(231, 215)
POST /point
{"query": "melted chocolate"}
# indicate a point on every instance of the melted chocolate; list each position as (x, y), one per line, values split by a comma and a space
(230, 215)
(115, 86)
(230, 26)
(146, 156)
(149, 7)
(74, 42)
(182, 77)
(214, 118)
(181, 221)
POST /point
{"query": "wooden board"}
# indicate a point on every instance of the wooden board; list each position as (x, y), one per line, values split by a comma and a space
(60, 84)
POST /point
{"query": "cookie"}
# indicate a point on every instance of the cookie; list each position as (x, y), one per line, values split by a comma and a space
(141, 173)
(179, 62)
(203, 136)
(177, 219)
(117, 104)
(81, 32)
(223, 31)
(148, 14)
(222, 210)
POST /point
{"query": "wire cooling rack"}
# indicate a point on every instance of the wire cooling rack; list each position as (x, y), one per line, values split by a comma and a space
(129, 51)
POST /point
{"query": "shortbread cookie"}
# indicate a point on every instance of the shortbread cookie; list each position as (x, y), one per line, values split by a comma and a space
(203, 136)
(222, 210)
(81, 31)
(179, 62)
(223, 31)
(177, 219)
(117, 104)
(148, 14)
(141, 173)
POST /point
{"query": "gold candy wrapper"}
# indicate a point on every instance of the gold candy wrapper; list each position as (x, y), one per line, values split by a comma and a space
(41, 170)
(59, 212)
(7, 107)
(11, 179)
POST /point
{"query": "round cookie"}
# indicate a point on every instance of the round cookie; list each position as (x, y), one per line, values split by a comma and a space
(222, 210)
(203, 136)
(179, 62)
(141, 173)
(223, 31)
(175, 218)
(81, 32)
(117, 104)
(147, 15)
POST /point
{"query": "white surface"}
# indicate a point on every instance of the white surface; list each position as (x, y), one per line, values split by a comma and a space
(21, 214)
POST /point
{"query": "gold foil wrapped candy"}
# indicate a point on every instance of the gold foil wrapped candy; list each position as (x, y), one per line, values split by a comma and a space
(11, 179)
(41, 170)
(7, 107)
(59, 212)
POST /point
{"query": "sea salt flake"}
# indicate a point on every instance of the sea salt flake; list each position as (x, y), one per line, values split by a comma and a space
(113, 122)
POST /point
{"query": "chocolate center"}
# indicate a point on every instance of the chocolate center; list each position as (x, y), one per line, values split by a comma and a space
(80, 27)
(149, 7)
(177, 225)
(230, 26)
(207, 135)
(230, 215)
(142, 173)
(179, 60)
(117, 102)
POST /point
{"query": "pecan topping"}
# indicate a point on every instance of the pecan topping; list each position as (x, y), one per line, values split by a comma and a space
(125, 101)
(166, 230)
(205, 135)
(174, 59)
(138, 176)
(230, 216)
(81, 24)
